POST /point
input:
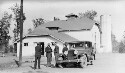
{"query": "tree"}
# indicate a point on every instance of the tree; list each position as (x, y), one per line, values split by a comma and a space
(89, 14)
(4, 30)
(122, 44)
(115, 44)
(38, 21)
(121, 47)
(16, 10)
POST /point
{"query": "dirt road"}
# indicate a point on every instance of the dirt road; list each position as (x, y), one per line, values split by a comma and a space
(104, 63)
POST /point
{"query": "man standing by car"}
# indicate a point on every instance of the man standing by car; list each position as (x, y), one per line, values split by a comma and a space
(56, 51)
(48, 51)
(65, 48)
(37, 55)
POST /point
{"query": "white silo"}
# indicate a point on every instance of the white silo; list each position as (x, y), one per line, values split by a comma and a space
(106, 42)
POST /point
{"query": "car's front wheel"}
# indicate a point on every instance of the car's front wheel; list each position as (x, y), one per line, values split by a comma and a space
(59, 64)
(83, 62)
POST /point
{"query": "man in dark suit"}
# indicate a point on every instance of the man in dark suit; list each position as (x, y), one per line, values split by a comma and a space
(65, 48)
(37, 55)
(56, 51)
(48, 51)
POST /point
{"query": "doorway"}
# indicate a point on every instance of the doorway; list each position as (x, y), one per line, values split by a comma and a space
(15, 48)
(42, 47)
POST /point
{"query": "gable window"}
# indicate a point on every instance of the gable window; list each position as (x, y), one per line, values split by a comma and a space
(25, 44)
(53, 28)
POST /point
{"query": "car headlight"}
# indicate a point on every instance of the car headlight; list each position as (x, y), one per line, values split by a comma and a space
(60, 58)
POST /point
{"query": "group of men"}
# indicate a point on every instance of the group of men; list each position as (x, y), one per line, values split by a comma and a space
(48, 51)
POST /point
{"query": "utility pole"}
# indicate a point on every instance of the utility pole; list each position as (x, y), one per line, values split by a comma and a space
(21, 32)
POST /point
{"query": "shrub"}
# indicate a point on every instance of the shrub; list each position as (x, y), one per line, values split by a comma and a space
(121, 47)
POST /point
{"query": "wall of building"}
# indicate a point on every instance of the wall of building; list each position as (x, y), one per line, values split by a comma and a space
(83, 35)
(96, 38)
(30, 49)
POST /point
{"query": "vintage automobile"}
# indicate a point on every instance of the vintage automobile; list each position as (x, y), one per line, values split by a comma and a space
(80, 53)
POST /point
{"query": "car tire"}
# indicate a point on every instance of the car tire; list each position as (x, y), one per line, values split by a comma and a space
(59, 64)
(83, 62)
(91, 61)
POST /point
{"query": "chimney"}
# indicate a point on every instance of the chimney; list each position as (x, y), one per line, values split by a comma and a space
(71, 16)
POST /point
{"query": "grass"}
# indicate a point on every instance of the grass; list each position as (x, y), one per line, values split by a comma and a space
(7, 65)
(7, 62)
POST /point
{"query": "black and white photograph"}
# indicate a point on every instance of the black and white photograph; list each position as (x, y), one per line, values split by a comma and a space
(62, 36)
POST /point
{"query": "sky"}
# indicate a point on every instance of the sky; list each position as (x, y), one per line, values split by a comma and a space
(48, 9)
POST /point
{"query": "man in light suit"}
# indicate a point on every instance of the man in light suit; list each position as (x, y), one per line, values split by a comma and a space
(48, 51)
(56, 52)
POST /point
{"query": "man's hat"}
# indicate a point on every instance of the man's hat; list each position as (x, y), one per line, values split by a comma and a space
(65, 44)
(38, 43)
(55, 43)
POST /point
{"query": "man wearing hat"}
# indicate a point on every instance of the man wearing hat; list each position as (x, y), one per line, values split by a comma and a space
(56, 51)
(48, 51)
(37, 55)
(65, 48)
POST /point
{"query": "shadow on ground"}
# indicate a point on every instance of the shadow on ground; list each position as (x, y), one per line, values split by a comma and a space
(36, 72)
(52, 66)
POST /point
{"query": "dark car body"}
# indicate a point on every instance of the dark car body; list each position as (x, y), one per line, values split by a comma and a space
(79, 54)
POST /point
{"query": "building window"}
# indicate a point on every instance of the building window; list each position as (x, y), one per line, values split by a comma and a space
(53, 28)
(25, 44)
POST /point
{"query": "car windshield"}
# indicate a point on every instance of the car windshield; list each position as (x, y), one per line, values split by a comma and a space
(81, 44)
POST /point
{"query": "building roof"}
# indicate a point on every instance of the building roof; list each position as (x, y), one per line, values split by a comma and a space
(64, 25)
(71, 24)
(54, 34)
